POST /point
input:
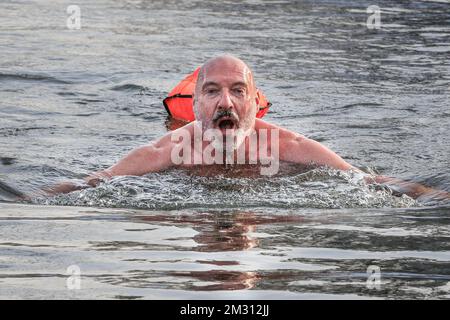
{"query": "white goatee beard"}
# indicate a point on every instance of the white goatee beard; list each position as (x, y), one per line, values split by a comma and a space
(238, 138)
(220, 145)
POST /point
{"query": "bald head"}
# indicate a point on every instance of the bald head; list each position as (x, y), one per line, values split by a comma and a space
(225, 63)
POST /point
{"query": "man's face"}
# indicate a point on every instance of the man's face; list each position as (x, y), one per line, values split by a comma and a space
(226, 98)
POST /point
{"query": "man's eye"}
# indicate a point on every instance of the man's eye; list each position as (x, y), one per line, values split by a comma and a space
(239, 91)
(211, 91)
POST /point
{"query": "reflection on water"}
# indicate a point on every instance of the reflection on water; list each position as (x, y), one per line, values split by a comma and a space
(227, 232)
(237, 254)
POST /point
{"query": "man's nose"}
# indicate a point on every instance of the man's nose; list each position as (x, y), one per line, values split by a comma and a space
(225, 101)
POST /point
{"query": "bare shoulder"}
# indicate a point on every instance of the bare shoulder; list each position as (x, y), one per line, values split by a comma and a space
(286, 136)
(294, 147)
(151, 157)
(171, 138)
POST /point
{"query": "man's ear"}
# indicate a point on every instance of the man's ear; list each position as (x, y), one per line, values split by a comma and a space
(257, 99)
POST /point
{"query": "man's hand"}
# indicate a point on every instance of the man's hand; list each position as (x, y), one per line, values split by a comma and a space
(8, 193)
(412, 189)
(91, 181)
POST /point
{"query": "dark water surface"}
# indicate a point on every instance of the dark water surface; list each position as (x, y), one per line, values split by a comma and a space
(75, 101)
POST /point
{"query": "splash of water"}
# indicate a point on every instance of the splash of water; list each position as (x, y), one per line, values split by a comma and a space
(175, 189)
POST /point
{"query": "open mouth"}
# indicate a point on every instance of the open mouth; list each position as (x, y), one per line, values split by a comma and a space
(226, 123)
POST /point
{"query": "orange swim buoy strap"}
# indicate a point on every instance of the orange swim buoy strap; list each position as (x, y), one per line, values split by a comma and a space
(269, 104)
(178, 95)
(263, 103)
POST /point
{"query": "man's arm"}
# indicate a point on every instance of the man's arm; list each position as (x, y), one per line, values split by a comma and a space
(412, 189)
(142, 160)
(307, 151)
(68, 186)
(149, 158)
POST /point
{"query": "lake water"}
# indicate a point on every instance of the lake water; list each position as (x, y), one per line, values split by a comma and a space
(76, 101)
